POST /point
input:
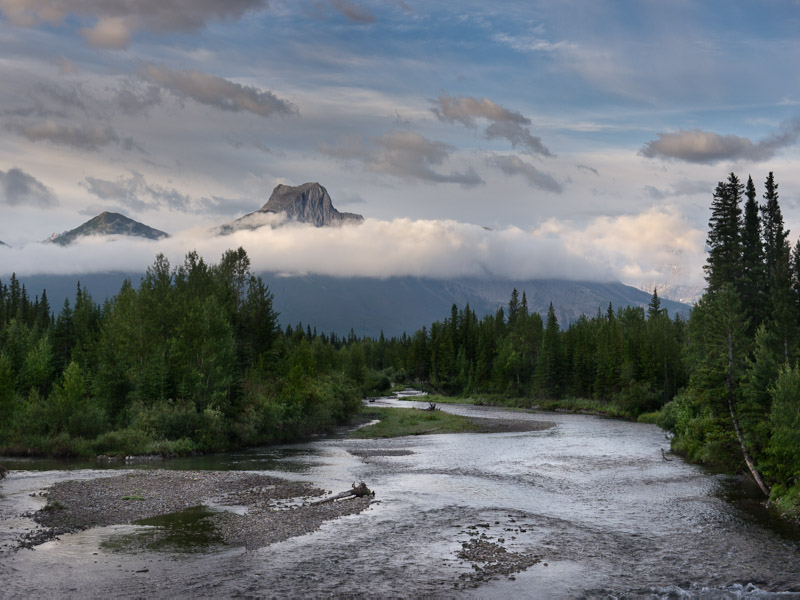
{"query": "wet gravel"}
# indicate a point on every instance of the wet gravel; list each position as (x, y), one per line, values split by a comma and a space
(274, 509)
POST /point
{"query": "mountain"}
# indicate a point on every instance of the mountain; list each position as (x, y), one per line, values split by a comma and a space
(307, 203)
(395, 306)
(404, 304)
(108, 223)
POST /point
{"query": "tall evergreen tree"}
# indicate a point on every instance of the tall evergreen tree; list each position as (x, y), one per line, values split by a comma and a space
(774, 236)
(724, 240)
(751, 285)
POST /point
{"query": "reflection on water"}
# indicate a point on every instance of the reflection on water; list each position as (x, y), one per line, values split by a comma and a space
(593, 497)
(189, 530)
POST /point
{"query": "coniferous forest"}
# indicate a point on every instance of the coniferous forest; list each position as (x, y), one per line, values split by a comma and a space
(192, 359)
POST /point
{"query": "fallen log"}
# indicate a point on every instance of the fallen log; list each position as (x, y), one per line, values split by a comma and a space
(357, 491)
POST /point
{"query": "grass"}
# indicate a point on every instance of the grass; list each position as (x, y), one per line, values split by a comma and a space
(396, 422)
(439, 399)
(132, 498)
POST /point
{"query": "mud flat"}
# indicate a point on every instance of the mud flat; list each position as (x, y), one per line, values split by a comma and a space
(248, 509)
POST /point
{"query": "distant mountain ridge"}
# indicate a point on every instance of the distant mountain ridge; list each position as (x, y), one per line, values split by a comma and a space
(307, 203)
(108, 223)
(394, 306)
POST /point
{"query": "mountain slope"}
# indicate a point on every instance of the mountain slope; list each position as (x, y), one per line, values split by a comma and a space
(404, 304)
(108, 223)
(395, 306)
(307, 203)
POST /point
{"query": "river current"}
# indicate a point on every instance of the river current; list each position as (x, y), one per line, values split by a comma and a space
(596, 498)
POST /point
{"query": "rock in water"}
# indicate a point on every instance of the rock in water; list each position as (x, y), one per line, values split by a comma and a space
(307, 203)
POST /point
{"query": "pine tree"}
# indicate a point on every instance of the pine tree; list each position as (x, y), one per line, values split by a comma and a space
(751, 287)
(724, 241)
(774, 236)
(654, 307)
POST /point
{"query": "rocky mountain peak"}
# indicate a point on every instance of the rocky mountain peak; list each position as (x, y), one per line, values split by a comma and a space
(108, 223)
(306, 203)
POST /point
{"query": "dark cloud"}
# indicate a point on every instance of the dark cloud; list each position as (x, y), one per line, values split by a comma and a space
(134, 192)
(18, 187)
(518, 135)
(707, 147)
(514, 165)
(135, 102)
(404, 154)
(218, 92)
(353, 11)
(503, 123)
(81, 137)
(588, 168)
(113, 23)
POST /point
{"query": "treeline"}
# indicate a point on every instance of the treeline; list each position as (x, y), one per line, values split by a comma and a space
(629, 359)
(741, 407)
(191, 360)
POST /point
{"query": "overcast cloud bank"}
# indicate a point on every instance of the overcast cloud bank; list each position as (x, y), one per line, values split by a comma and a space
(607, 250)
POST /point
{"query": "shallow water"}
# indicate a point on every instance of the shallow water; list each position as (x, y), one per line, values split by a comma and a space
(593, 497)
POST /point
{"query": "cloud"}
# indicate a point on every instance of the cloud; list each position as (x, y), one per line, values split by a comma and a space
(353, 11)
(136, 102)
(403, 154)
(112, 24)
(514, 165)
(706, 147)
(465, 110)
(519, 136)
(218, 92)
(135, 193)
(81, 137)
(589, 169)
(18, 187)
(629, 248)
(681, 188)
(649, 246)
(503, 123)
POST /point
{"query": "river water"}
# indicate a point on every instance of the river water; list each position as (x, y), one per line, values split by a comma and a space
(593, 497)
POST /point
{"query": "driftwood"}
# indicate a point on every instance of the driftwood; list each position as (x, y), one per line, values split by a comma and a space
(357, 491)
(664, 455)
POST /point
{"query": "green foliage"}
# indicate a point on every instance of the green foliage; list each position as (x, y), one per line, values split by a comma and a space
(784, 420)
(395, 422)
(190, 361)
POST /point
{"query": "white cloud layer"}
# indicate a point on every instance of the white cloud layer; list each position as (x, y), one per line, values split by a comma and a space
(626, 248)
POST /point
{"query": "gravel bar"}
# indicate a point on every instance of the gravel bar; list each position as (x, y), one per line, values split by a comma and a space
(275, 509)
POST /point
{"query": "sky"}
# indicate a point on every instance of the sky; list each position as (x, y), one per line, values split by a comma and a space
(517, 139)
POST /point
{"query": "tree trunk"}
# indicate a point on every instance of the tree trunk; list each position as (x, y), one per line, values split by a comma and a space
(747, 458)
(358, 491)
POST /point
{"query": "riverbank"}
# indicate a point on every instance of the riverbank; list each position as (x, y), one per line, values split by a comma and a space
(583, 406)
(398, 422)
(245, 509)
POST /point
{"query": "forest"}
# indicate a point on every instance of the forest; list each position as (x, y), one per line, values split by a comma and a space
(192, 360)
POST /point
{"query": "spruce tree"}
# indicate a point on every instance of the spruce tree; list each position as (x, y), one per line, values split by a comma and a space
(752, 281)
(724, 240)
(774, 236)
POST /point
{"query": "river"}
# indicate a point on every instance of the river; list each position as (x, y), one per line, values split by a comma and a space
(593, 498)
